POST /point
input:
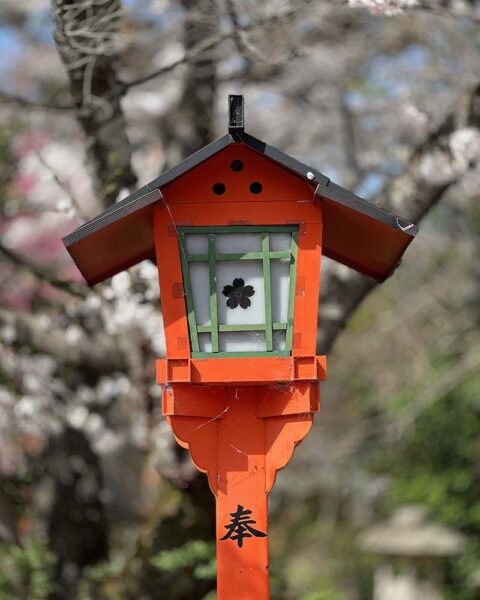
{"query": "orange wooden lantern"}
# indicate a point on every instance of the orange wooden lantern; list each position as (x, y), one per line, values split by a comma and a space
(237, 231)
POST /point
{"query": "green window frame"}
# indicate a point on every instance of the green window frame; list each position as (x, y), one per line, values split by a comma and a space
(211, 258)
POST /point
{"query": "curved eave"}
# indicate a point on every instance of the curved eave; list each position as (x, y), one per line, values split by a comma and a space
(361, 235)
(337, 194)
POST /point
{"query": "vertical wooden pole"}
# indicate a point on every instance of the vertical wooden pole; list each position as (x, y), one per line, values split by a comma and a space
(242, 572)
(242, 519)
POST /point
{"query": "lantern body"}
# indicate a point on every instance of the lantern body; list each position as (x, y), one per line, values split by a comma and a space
(270, 241)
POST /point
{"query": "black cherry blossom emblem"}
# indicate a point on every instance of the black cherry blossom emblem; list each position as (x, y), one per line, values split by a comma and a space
(238, 293)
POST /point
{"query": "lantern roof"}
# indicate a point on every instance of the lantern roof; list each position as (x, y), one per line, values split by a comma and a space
(409, 533)
(356, 232)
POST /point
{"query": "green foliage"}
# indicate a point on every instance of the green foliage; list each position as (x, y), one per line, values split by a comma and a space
(104, 581)
(26, 572)
(437, 465)
(440, 454)
(326, 591)
(197, 556)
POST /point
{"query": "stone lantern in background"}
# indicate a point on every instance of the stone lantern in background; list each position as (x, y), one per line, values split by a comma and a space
(414, 552)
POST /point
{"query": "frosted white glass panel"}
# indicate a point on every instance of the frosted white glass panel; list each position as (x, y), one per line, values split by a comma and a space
(230, 243)
(204, 342)
(248, 341)
(196, 244)
(280, 276)
(252, 274)
(279, 340)
(280, 242)
(200, 281)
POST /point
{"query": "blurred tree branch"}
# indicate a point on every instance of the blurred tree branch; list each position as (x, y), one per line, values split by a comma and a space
(203, 45)
(75, 537)
(75, 204)
(206, 44)
(449, 9)
(392, 430)
(41, 273)
(349, 140)
(411, 195)
(8, 523)
(29, 103)
(86, 37)
(196, 111)
(92, 354)
(444, 382)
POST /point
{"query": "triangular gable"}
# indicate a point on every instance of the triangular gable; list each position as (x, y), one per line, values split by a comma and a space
(356, 232)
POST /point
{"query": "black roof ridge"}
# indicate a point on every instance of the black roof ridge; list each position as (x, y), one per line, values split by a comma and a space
(305, 171)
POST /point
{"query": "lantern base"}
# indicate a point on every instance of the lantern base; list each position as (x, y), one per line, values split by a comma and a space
(244, 370)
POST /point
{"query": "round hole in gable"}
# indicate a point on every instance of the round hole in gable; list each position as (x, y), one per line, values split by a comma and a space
(218, 188)
(256, 187)
(236, 165)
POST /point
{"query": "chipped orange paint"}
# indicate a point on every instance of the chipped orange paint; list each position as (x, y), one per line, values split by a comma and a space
(240, 418)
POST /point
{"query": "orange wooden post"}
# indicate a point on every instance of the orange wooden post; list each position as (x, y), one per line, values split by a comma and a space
(242, 571)
(241, 436)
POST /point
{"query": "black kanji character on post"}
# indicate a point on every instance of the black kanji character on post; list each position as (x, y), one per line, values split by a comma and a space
(241, 526)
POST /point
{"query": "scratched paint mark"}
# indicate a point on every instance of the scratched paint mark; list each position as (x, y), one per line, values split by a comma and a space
(238, 450)
(219, 416)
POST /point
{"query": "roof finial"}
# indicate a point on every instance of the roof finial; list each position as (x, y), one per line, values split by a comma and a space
(236, 115)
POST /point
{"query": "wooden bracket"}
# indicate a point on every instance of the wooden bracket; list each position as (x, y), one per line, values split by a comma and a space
(240, 437)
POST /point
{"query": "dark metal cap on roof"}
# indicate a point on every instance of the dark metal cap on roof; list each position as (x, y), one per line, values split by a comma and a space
(356, 232)
(236, 114)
